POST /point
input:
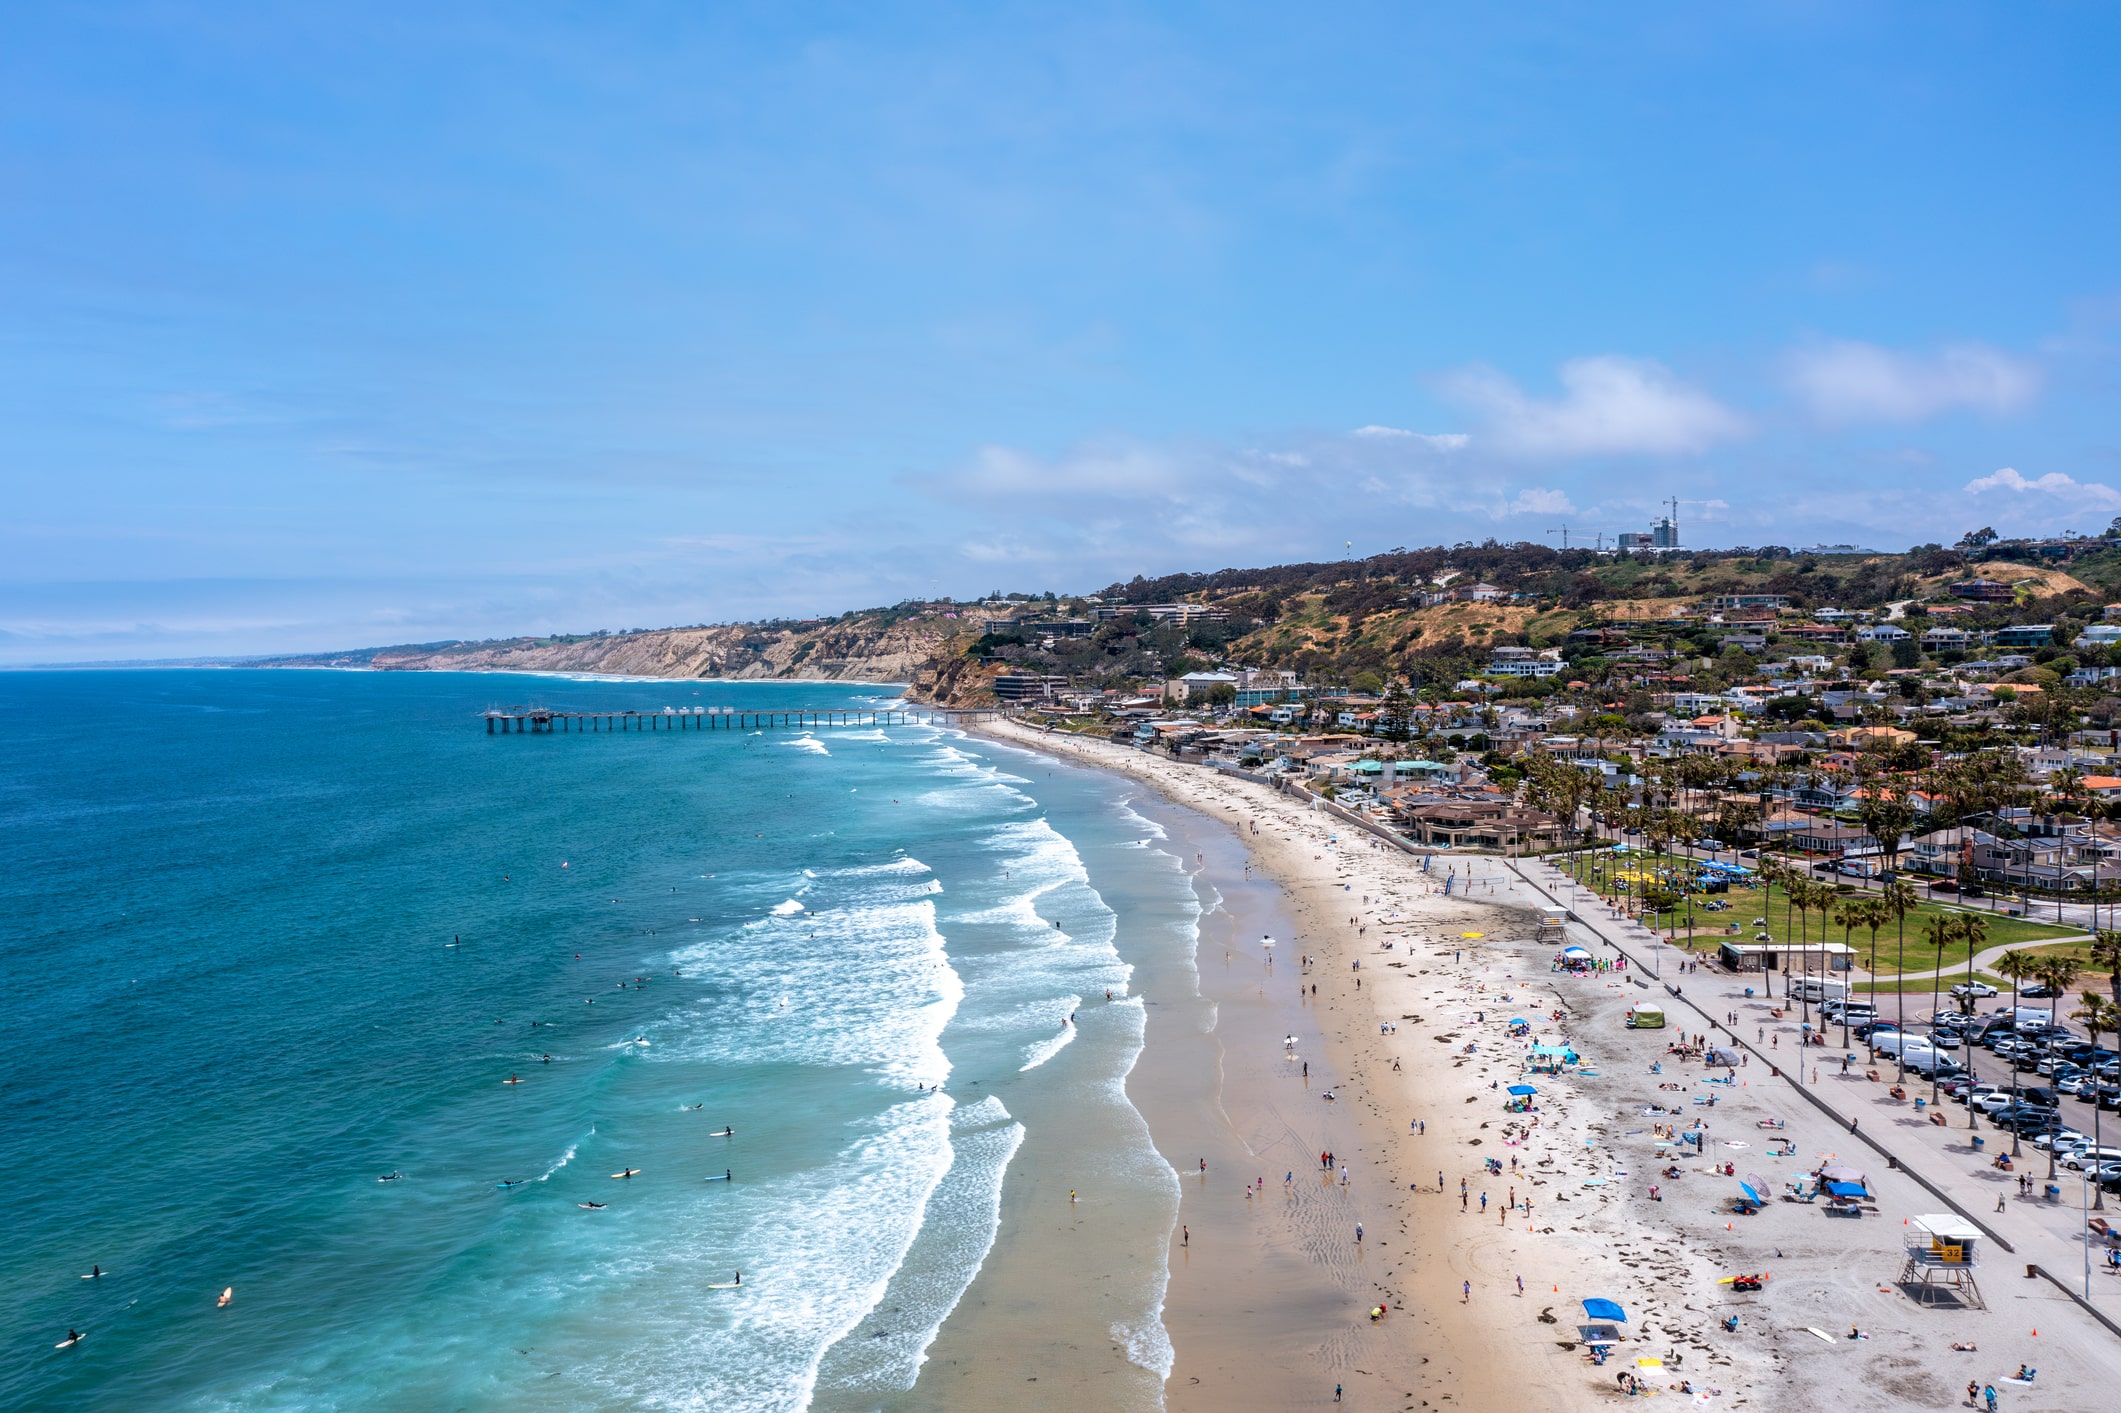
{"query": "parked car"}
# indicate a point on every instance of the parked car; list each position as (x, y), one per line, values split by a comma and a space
(2038, 989)
(2064, 1141)
(1994, 1102)
(1712, 845)
(1748, 853)
(2085, 1156)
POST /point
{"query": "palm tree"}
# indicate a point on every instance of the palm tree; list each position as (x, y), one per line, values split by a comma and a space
(2057, 972)
(1855, 913)
(1875, 915)
(2098, 1014)
(1799, 893)
(1974, 932)
(2106, 957)
(1940, 932)
(2017, 964)
(1899, 900)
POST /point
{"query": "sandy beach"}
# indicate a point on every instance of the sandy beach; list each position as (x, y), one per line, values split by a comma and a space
(1270, 1299)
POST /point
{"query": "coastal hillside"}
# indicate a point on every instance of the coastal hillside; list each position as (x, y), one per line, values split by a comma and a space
(1417, 615)
(886, 645)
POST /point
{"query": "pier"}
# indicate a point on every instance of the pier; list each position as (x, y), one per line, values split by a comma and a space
(535, 720)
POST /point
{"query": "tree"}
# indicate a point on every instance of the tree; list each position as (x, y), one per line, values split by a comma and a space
(2058, 972)
(1940, 932)
(2017, 964)
(1972, 931)
(1855, 913)
(2098, 1013)
(1978, 539)
(1899, 900)
(2106, 957)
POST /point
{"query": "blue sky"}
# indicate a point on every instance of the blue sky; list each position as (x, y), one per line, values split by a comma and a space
(324, 326)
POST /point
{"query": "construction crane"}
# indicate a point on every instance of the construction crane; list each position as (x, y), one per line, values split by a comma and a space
(1675, 502)
(1599, 536)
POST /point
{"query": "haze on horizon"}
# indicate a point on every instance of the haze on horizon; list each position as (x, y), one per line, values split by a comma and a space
(339, 325)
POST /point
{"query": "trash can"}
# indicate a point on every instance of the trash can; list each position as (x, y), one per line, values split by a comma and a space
(1979, 1143)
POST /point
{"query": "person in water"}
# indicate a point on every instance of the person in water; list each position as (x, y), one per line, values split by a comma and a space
(73, 1336)
(739, 1277)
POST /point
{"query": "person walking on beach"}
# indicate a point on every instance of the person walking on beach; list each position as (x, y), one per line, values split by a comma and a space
(1358, 1233)
(1467, 1298)
(1185, 1236)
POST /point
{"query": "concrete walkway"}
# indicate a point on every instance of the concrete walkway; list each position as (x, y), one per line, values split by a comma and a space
(1945, 1158)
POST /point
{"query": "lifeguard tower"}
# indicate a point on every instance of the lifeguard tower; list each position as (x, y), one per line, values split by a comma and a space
(1553, 924)
(1942, 1252)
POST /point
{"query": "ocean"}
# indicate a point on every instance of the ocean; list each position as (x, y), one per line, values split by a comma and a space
(273, 936)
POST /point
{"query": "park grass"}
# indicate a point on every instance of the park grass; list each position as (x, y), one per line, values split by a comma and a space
(1795, 929)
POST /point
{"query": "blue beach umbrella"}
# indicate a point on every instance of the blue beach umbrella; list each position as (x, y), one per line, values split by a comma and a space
(1752, 1195)
(1605, 1310)
(1521, 1089)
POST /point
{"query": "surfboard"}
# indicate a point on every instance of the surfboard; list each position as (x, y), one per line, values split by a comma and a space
(718, 1177)
(725, 1285)
(630, 1172)
(226, 1296)
(95, 1275)
(70, 1343)
(517, 1182)
(591, 1206)
(724, 1133)
(511, 1080)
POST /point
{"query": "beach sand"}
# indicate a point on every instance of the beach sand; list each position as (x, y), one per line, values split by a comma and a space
(1268, 1306)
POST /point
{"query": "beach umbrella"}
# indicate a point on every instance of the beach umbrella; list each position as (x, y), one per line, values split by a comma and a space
(1605, 1310)
(1752, 1187)
(1837, 1173)
(1266, 941)
(1574, 952)
(1519, 1020)
(1522, 1089)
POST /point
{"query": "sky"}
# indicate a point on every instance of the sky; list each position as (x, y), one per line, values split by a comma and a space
(330, 325)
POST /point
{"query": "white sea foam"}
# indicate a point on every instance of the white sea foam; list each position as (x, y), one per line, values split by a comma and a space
(568, 1156)
(1038, 1052)
(787, 909)
(808, 743)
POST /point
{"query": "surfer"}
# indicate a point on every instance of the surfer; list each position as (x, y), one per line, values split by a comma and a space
(592, 1206)
(226, 1296)
(95, 1273)
(627, 1174)
(512, 1182)
(73, 1336)
(511, 1080)
(391, 1176)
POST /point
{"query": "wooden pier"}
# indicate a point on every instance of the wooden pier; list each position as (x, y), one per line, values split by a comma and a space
(534, 720)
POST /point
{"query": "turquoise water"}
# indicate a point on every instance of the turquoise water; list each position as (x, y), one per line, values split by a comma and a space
(228, 925)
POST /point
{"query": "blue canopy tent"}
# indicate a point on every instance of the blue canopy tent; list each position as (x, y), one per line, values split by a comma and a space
(1522, 1089)
(1846, 1189)
(1605, 1310)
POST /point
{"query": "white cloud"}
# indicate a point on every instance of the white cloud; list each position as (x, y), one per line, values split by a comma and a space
(1861, 382)
(1439, 441)
(1540, 500)
(2054, 483)
(1609, 405)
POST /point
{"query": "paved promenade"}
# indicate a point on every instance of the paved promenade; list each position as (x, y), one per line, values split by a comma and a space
(1943, 1158)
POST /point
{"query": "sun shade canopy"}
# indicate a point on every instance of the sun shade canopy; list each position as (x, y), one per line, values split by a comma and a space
(1604, 1310)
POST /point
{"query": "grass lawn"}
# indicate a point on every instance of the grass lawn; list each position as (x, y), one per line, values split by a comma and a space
(1742, 905)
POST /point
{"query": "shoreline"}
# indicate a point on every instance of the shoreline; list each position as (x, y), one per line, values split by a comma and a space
(1459, 1333)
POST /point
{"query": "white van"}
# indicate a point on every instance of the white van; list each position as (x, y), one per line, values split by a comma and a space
(1817, 989)
(1892, 1042)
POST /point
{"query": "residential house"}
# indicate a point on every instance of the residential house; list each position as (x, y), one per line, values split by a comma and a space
(1482, 824)
(1984, 591)
(2024, 635)
(1883, 633)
